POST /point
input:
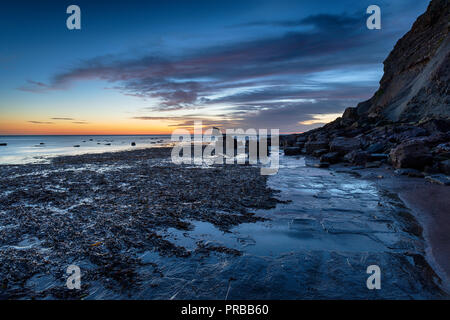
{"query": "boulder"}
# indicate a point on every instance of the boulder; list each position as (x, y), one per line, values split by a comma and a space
(344, 145)
(312, 146)
(350, 113)
(133, 144)
(292, 151)
(444, 166)
(439, 179)
(322, 165)
(378, 157)
(409, 173)
(331, 157)
(374, 164)
(356, 157)
(411, 154)
(376, 147)
(318, 153)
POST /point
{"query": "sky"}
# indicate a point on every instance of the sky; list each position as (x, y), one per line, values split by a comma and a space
(150, 67)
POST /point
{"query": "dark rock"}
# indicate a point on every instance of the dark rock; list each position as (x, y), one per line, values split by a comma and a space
(444, 166)
(442, 148)
(292, 151)
(322, 165)
(377, 147)
(356, 157)
(3, 144)
(344, 145)
(439, 179)
(411, 154)
(350, 113)
(133, 144)
(374, 164)
(437, 125)
(318, 153)
(76, 146)
(409, 173)
(312, 146)
(299, 144)
(378, 157)
(287, 140)
(331, 157)
(432, 169)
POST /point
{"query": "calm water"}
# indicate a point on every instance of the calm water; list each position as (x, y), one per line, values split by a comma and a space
(26, 149)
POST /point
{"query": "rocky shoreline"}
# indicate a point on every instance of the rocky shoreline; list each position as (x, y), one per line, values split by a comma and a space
(406, 123)
(417, 150)
(100, 211)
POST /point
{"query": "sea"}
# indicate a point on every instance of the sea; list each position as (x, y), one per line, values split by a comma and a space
(41, 148)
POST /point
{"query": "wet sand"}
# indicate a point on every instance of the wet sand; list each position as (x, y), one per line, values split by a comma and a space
(430, 204)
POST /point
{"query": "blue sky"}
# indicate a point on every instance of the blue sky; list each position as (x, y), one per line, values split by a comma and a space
(147, 65)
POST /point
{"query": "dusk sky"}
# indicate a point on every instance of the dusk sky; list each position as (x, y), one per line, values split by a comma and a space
(144, 67)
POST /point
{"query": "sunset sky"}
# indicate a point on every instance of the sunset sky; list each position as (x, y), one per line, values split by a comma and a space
(148, 67)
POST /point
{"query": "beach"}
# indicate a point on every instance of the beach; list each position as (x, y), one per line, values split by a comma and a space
(141, 227)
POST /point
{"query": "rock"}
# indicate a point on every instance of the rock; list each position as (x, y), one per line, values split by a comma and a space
(107, 144)
(133, 144)
(76, 146)
(302, 139)
(299, 145)
(350, 113)
(3, 144)
(288, 140)
(444, 166)
(322, 165)
(442, 148)
(411, 154)
(442, 156)
(409, 172)
(439, 179)
(378, 157)
(292, 151)
(318, 153)
(312, 146)
(375, 164)
(377, 147)
(436, 125)
(331, 157)
(344, 145)
(356, 157)
(41, 143)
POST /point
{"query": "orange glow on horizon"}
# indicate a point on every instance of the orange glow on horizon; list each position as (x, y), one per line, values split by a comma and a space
(27, 128)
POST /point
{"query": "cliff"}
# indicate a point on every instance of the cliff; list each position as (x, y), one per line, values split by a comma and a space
(415, 84)
(407, 121)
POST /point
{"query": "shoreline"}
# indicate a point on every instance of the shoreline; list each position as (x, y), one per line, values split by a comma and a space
(111, 213)
(429, 203)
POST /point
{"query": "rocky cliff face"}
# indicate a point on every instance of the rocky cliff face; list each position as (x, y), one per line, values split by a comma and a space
(407, 121)
(415, 84)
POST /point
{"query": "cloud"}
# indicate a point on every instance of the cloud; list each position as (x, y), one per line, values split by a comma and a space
(255, 79)
(35, 86)
(80, 122)
(67, 119)
(319, 21)
(40, 122)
